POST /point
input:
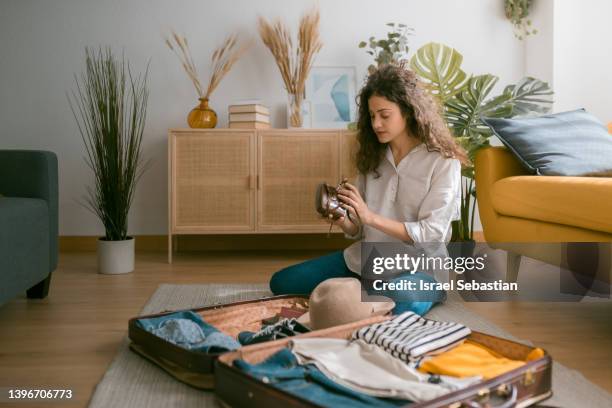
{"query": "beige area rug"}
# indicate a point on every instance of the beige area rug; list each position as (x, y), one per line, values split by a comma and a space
(132, 381)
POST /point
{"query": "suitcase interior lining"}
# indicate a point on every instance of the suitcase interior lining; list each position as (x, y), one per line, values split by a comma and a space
(234, 319)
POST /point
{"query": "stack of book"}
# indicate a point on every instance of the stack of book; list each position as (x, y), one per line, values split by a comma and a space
(249, 116)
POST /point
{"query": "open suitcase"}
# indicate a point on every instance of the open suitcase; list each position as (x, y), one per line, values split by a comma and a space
(521, 387)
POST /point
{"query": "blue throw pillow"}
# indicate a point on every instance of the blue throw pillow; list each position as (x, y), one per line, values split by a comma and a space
(571, 143)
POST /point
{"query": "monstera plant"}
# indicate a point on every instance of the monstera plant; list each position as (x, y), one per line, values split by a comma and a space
(465, 99)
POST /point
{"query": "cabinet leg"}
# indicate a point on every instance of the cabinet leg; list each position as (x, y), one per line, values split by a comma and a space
(170, 248)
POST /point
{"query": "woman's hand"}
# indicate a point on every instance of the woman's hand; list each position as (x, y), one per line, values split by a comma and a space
(354, 203)
(349, 226)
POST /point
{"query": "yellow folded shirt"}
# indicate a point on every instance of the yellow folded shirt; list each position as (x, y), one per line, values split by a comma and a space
(470, 358)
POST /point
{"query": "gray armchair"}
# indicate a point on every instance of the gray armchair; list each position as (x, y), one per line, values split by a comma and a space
(28, 222)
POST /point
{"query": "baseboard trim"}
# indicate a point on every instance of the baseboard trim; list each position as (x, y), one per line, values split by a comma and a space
(217, 242)
(224, 242)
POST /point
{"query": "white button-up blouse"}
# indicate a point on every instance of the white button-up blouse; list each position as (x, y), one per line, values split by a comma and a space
(423, 191)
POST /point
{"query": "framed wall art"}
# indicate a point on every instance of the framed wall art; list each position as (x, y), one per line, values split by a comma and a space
(331, 92)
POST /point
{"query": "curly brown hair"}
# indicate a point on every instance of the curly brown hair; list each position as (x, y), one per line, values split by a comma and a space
(421, 110)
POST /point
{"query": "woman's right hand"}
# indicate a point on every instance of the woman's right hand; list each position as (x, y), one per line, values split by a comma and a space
(349, 225)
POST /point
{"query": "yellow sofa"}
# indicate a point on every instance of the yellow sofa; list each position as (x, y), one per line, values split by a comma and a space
(517, 207)
(523, 213)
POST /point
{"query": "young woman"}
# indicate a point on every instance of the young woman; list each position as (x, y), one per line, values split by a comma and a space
(409, 184)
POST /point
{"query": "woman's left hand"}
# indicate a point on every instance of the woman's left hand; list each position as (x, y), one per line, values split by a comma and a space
(351, 197)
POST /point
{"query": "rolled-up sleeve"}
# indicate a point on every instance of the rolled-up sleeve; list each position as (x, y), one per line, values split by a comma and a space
(440, 206)
(360, 184)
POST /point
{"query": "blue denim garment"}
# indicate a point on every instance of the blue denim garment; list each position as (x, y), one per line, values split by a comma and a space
(188, 330)
(282, 371)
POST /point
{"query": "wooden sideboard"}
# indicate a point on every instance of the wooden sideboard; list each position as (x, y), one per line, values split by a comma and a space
(230, 181)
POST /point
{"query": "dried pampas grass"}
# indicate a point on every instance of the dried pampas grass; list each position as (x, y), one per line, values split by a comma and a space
(223, 59)
(294, 64)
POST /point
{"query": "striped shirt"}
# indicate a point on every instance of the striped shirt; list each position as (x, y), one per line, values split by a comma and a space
(410, 337)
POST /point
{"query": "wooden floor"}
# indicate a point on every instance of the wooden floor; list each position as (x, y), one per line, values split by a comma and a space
(68, 340)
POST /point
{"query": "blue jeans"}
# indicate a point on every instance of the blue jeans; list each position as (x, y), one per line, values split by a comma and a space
(302, 278)
(188, 330)
(282, 371)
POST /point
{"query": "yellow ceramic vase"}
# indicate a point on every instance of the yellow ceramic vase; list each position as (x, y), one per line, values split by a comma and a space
(202, 117)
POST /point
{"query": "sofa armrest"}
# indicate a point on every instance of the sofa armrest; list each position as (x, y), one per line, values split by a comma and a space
(490, 165)
(33, 174)
(494, 163)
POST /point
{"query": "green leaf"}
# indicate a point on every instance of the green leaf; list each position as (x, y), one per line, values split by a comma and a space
(362, 44)
(440, 66)
(529, 95)
(497, 107)
(385, 58)
(463, 112)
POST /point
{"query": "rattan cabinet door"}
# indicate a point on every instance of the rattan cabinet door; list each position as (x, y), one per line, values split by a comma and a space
(213, 181)
(348, 150)
(291, 165)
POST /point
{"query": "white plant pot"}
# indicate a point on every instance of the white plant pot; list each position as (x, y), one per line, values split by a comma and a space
(115, 257)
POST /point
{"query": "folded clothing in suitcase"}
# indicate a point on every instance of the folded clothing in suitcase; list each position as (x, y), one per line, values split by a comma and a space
(194, 363)
(272, 374)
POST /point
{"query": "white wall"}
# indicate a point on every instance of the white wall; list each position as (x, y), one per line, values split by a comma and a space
(42, 45)
(539, 48)
(573, 52)
(583, 56)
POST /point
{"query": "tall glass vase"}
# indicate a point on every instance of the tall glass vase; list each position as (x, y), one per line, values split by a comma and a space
(295, 116)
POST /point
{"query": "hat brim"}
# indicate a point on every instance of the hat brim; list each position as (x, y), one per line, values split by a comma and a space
(379, 309)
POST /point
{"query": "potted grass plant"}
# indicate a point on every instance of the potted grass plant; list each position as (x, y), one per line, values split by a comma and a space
(110, 106)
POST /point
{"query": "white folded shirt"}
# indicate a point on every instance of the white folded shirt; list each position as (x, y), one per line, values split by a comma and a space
(368, 369)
